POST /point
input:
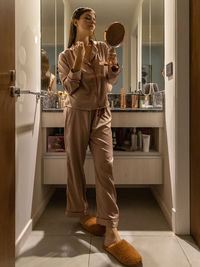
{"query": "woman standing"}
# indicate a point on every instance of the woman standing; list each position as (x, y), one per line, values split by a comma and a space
(88, 122)
(48, 79)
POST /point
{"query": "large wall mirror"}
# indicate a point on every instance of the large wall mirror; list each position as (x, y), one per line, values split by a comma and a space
(142, 54)
(153, 42)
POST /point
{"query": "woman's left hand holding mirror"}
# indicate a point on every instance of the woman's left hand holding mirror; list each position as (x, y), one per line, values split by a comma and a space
(112, 57)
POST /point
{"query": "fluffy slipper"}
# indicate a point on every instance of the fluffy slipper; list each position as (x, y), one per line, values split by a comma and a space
(92, 227)
(125, 253)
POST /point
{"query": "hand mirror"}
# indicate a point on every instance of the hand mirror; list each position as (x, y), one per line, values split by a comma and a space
(114, 36)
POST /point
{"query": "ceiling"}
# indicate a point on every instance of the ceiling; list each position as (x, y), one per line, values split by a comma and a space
(108, 10)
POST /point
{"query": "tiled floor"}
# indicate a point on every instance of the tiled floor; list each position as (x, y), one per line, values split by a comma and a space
(58, 241)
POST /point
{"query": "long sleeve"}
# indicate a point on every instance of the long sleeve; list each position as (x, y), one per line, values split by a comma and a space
(70, 80)
(87, 89)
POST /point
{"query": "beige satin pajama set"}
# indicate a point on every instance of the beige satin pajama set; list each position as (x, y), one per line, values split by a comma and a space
(88, 122)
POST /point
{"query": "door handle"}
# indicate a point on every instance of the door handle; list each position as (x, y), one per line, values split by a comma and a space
(16, 91)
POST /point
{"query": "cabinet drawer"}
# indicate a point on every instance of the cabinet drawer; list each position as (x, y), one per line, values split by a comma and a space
(55, 170)
(138, 170)
(127, 170)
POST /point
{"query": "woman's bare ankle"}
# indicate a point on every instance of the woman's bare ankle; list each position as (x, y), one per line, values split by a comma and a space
(110, 229)
(111, 236)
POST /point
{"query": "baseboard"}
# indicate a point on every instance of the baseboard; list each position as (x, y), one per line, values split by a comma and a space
(42, 206)
(165, 210)
(32, 222)
(23, 237)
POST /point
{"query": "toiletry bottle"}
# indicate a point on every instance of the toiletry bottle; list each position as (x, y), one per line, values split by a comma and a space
(124, 95)
(140, 140)
(134, 140)
(134, 101)
(114, 138)
(139, 98)
(122, 98)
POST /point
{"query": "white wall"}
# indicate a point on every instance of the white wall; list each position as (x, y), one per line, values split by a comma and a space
(173, 195)
(166, 192)
(27, 51)
(135, 50)
(67, 20)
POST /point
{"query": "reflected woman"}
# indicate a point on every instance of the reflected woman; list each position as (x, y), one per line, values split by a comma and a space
(88, 122)
(48, 79)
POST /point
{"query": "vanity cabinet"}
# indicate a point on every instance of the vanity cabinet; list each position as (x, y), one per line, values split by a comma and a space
(130, 168)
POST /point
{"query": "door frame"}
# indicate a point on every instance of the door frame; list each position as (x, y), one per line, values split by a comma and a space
(181, 209)
(7, 134)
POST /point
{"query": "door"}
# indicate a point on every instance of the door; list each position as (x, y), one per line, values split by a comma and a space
(7, 134)
(194, 119)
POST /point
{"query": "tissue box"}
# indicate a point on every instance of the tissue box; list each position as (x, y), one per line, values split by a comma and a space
(56, 144)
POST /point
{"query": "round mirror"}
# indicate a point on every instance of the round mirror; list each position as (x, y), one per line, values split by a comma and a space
(114, 34)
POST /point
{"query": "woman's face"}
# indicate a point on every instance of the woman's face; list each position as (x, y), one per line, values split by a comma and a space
(86, 23)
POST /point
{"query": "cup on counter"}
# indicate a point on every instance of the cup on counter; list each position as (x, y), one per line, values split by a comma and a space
(134, 101)
(146, 142)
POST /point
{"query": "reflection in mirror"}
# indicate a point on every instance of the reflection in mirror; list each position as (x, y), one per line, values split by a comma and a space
(52, 35)
(143, 41)
(153, 42)
(48, 79)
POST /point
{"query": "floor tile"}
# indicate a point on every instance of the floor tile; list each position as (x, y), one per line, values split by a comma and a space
(41, 250)
(58, 240)
(146, 233)
(139, 211)
(54, 221)
(155, 251)
(191, 249)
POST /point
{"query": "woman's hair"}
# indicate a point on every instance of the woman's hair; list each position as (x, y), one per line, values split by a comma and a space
(45, 73)
(76, 15)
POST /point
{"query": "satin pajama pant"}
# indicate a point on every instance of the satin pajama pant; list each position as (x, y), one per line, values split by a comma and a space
(83, 128)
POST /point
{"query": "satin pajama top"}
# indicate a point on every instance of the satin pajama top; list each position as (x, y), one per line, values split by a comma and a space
(87, 89)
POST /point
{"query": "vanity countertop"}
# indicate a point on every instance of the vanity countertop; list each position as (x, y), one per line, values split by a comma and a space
(120, 117)
(114, 110)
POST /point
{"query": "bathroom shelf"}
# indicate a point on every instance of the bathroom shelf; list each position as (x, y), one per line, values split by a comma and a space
(115, 154)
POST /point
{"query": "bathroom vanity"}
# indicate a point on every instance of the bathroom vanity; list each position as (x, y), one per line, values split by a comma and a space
(130, 167)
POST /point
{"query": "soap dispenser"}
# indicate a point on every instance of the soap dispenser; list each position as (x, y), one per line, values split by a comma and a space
(134, 140)
(123, 98)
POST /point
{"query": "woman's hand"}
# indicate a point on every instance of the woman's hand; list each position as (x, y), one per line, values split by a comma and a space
(112, 57)
(79, 52)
